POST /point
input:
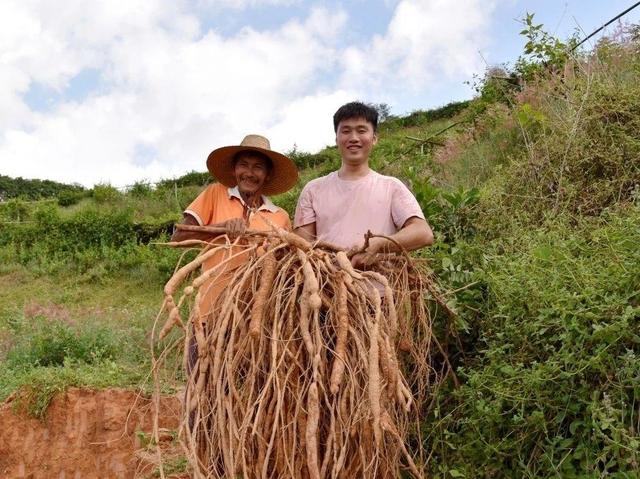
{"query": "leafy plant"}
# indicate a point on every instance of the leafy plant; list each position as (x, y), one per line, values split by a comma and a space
(69, 198)
(105, 193)
(140, 189)
(542, 50)
(450, 213)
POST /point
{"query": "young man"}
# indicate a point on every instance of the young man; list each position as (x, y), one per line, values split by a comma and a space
(341, 207)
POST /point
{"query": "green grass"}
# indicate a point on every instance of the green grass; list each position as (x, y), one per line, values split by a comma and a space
(39, 385)
(57, 331)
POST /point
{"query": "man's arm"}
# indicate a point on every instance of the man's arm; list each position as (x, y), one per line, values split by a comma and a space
(235, 227)
(308, 232)
(414, 234)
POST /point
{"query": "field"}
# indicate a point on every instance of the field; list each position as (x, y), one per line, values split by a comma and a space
(534, 195)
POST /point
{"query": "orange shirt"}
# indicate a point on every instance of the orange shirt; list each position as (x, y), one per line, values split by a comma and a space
(216, 204)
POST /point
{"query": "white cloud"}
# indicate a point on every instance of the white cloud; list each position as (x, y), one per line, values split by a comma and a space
(425, 40)
(241, 4)
(170, 91)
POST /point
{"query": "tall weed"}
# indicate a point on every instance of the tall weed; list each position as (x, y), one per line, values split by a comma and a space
(581, 129)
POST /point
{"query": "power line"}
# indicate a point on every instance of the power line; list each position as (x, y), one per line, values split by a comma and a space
(605, 25)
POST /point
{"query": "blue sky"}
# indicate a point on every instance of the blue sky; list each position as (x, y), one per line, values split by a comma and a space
(118, 92)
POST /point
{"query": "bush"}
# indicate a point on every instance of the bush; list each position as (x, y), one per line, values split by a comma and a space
(551, 374)
(69, 198)
(33, 189)
(43, 342)
(305, 160)
(93, 243)
(450, 213)
(193, 178)
(104, 193)
(421, 117)
(140, 189)
(582, 137)
(15, 210)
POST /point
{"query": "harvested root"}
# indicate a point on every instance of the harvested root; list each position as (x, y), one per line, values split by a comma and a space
(268, 274)
(341, 336)
(299, 372)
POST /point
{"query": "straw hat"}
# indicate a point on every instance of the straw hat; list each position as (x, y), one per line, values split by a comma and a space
(283, 177)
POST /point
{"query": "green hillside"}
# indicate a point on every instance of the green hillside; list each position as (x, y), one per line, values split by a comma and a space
(533, 191)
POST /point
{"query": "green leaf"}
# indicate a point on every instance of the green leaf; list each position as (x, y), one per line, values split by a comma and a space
(573, 427)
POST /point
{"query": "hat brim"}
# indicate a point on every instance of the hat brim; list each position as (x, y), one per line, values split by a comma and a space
(283, 177)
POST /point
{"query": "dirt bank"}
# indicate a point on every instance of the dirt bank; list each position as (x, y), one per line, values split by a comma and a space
(85, 434)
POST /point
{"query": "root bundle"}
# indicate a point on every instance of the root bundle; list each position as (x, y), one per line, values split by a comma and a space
(305, 367)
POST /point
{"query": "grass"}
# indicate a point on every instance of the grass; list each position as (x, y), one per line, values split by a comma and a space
(56, 332)
(37, 386)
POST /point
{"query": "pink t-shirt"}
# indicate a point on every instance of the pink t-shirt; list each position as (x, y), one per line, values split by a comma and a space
(343, 210)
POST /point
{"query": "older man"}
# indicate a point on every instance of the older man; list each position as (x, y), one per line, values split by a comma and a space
(246, 174)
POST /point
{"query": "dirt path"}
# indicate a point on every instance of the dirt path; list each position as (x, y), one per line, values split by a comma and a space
(85, 434)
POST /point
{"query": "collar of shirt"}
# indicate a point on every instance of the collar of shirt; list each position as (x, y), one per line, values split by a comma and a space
(267, 204)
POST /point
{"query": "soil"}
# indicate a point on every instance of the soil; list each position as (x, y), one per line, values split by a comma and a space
(86, 434)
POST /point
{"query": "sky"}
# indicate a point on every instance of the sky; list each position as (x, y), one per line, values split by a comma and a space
(122, 91)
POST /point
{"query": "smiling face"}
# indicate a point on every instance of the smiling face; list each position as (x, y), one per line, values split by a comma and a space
(251, 170)
(355, 139)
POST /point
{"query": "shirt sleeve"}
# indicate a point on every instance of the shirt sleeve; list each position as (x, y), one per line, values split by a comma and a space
(404, 205)
(305, 214)
(287, 223)
(203, 207)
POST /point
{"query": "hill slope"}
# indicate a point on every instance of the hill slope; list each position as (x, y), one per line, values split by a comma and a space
(533, 190)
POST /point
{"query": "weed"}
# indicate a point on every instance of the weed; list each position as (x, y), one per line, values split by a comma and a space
(44, 342)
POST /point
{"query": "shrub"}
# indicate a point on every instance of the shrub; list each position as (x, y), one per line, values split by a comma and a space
(105, 193)
(305, 160)
(140, 189)
(450, 213)
(44, 342)
(582, 137)
(550, 379)
(15, 210)
(421, 117)
(69, 198)
(193, 178)
(33, 189)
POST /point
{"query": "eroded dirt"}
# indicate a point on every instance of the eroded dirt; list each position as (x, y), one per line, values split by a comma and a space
(85, 434)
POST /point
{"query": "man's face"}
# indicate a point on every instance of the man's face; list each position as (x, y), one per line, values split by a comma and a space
(251, 171)
(355, 139)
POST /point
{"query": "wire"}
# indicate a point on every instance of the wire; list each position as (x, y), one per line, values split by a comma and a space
(605, 25)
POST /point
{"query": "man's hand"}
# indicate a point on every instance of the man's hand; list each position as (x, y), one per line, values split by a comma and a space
(235, 228)
(370, 255)
(414, 234)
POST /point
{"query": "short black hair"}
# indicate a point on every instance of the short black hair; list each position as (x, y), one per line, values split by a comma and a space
(266, 159)
(356, 109)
